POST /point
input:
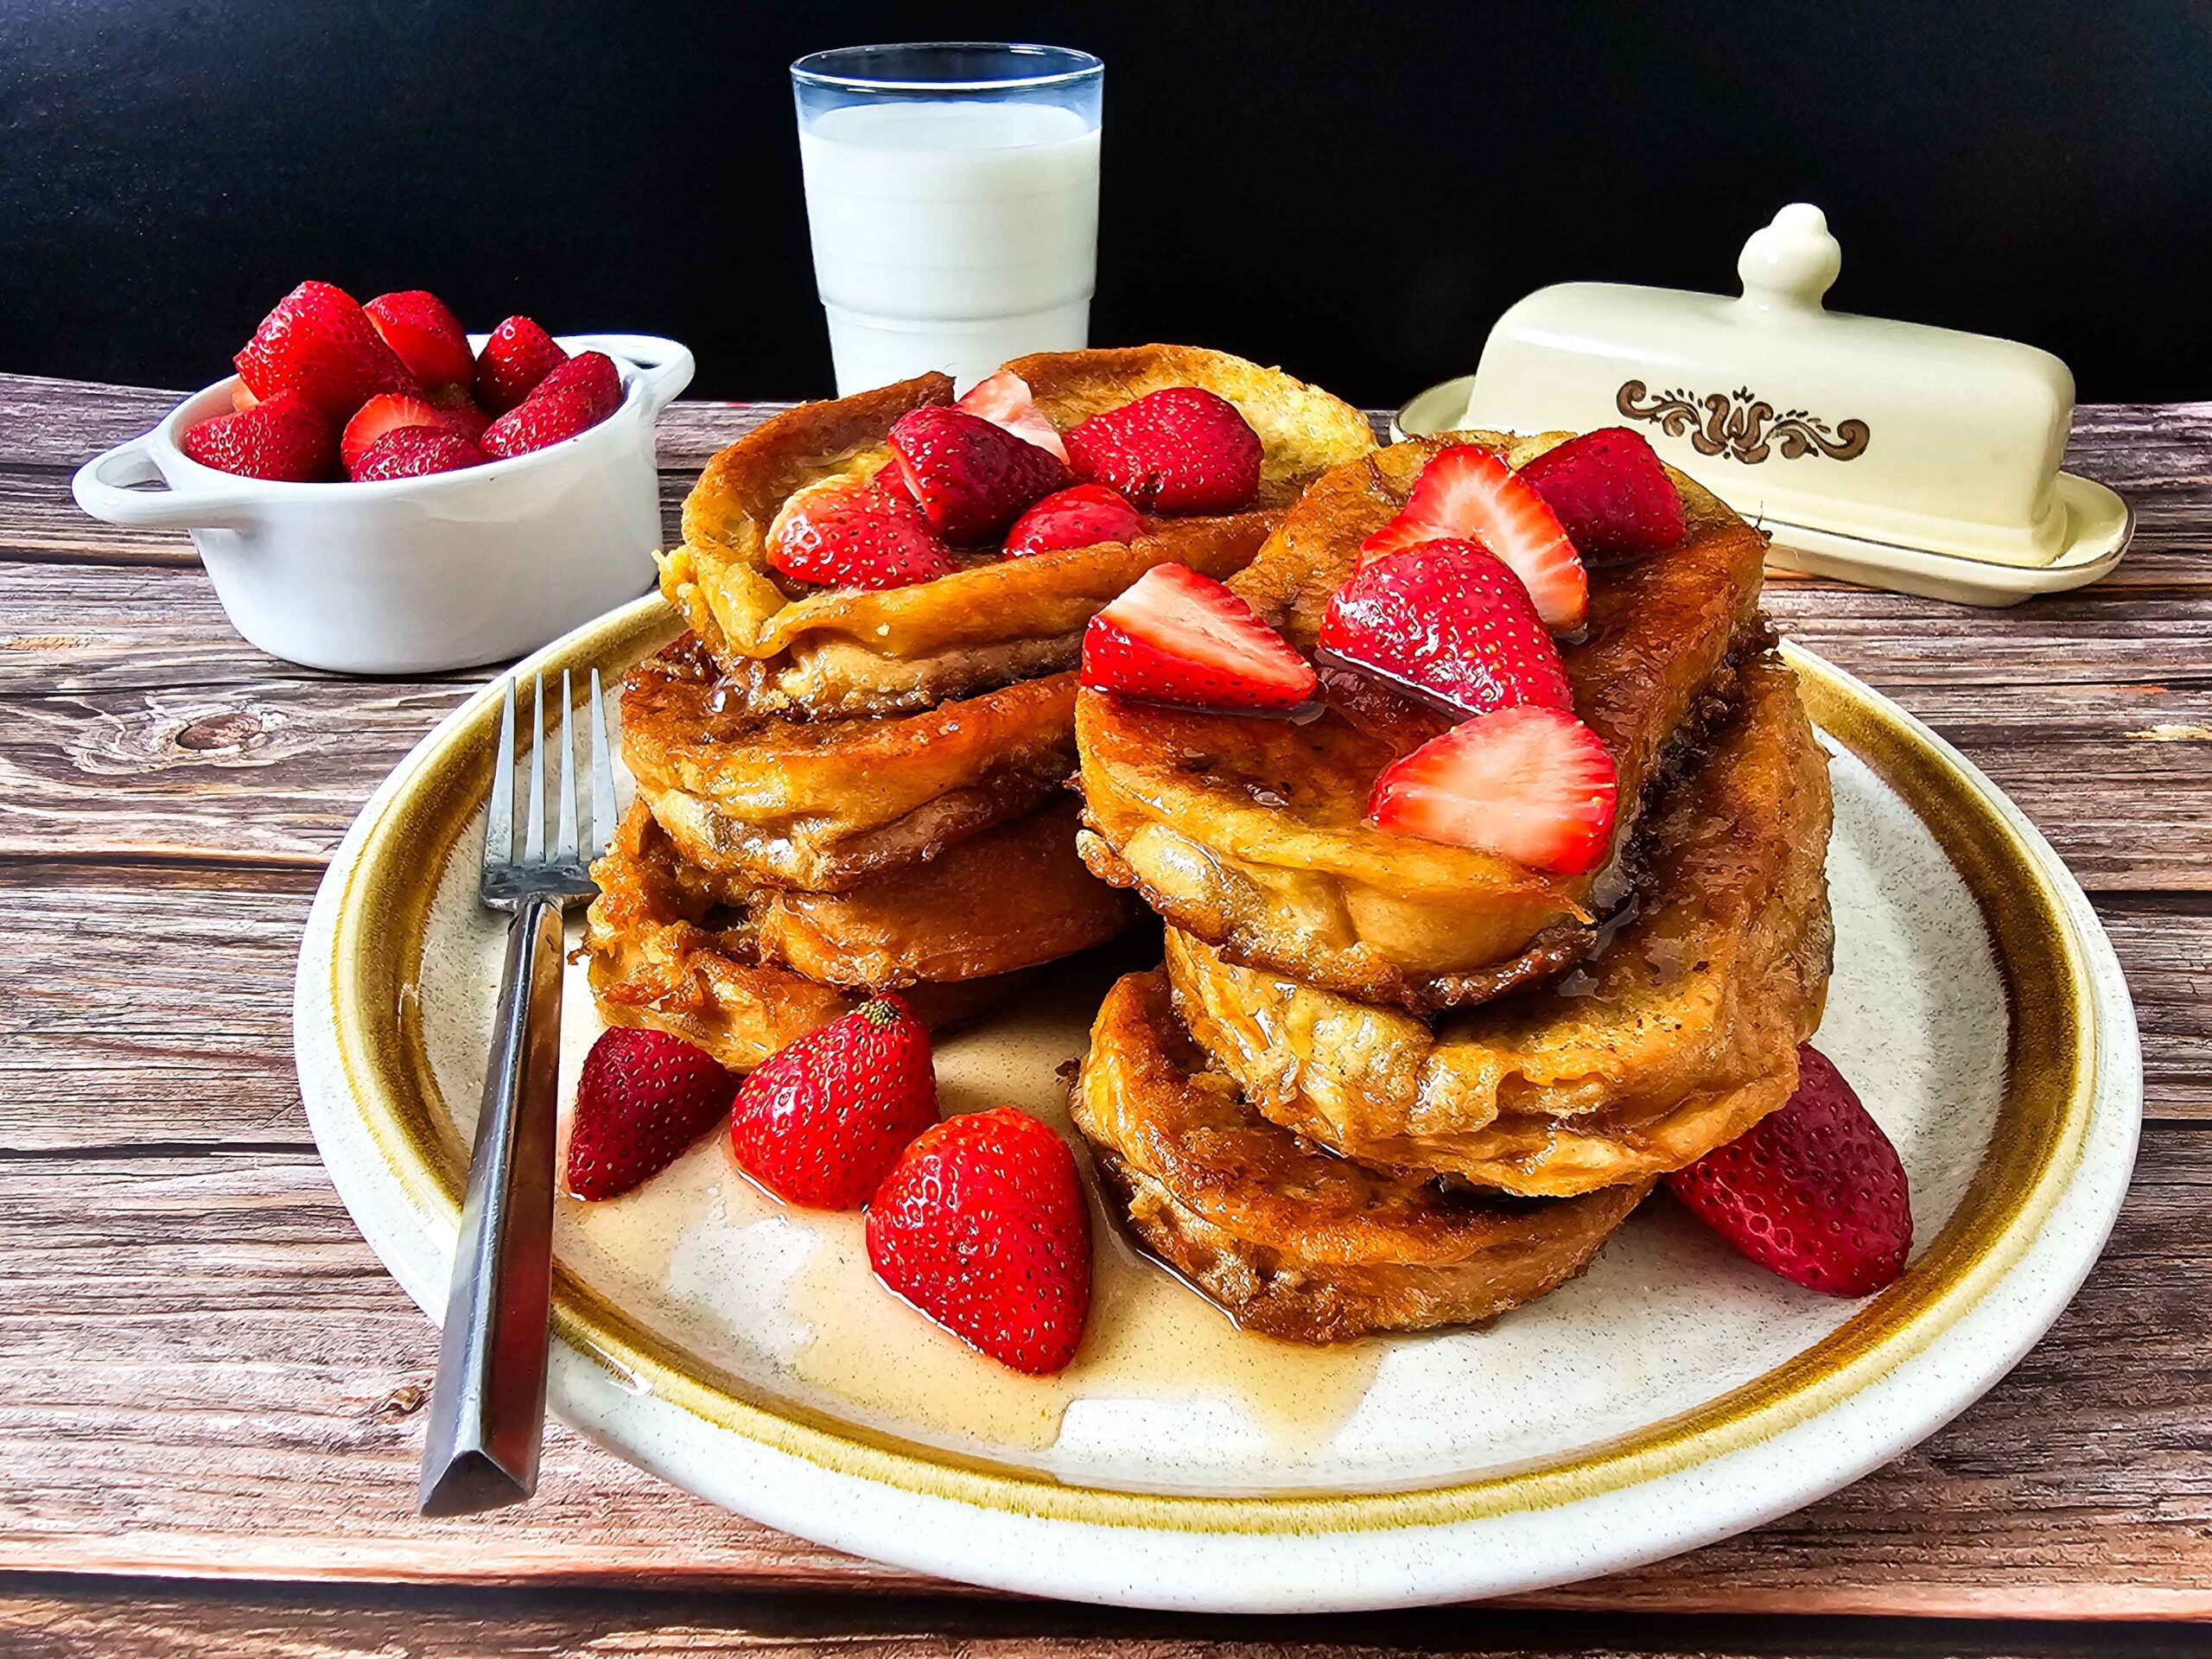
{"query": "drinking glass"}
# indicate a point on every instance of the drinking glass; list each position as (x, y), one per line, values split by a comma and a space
(953, 197)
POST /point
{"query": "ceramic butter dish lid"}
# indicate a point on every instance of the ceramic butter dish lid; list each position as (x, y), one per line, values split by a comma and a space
(1885, 452)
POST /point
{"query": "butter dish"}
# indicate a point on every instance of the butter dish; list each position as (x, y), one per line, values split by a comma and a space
(1896, 455)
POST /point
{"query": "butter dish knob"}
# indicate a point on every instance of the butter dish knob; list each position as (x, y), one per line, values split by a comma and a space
(1790, 264)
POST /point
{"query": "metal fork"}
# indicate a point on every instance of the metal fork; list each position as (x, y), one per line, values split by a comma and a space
(487, 1410)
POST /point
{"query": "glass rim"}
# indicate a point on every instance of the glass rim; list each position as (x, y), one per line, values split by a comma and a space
(813, 70)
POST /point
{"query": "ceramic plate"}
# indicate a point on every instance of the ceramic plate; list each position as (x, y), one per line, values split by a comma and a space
(1672, 1396)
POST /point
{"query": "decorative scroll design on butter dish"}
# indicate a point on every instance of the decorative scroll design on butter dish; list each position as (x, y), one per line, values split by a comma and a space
(1740, 425)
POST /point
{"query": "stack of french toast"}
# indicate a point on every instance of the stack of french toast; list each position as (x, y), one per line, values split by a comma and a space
(1491, 856)
(1486, 827)
(851, 770)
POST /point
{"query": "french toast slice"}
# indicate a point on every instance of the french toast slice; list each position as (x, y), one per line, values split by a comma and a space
(742, 970)
(1252, 834)
(1681, 1034)
(1289, 1240)
(825, 805)
(790, 648)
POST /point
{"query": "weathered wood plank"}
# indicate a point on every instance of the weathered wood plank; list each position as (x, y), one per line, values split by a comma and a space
(210, 1374)
(267, 771)
(50, 1619)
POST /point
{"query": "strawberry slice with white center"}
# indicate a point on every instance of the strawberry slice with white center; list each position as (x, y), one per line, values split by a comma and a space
(1467, 493)
(1450, 622)
(1177, 637)
(1004, 399)
(1529, 784)
(845, 532)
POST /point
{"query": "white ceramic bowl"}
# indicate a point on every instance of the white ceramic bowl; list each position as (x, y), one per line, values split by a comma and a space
(415, 574)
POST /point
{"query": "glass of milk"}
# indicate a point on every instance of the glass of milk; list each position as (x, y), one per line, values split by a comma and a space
(952, 194)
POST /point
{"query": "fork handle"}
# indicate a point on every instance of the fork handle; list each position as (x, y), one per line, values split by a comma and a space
(488, 1411)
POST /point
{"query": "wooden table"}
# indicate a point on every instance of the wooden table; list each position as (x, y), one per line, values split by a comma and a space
(210, 1392)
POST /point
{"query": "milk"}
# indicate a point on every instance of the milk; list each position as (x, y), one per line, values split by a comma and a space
(950, 234)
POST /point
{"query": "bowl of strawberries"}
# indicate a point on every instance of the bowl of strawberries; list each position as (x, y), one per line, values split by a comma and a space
(378, 492)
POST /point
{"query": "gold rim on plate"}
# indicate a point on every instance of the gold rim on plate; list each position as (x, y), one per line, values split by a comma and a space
(383, 915)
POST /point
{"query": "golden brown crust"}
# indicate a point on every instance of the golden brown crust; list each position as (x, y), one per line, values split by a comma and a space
(658, 957)
(1253, 836)
(1674, 1041)
(823, 805)
(1291, 1241)
(839, 651)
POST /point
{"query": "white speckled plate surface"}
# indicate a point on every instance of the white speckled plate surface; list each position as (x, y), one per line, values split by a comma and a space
(1673, 1394)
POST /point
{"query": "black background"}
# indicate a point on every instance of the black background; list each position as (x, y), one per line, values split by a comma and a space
(1353, 190)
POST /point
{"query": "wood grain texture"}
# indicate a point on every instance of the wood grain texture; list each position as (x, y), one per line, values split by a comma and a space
(207, 1374)
(47, 1619)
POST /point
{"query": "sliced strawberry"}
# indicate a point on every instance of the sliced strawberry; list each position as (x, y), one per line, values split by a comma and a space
(283, 437)
(845, 533)
(891, 480)
(972, 479)
(426, 336)
(516, 355)
(460, 411)
(319, 343)
(982, 1227)
(388, 412)
(1175, 636)
(642, 1099)
(1528, 783)
(591, 376)
(1467, 493)
(1814, 1191)
(822, 1121)
(1004, 400)
(1449, 621)
(1083, 515)
(415, 452)
(574, 397)
(1180, 449)
(1611, 493)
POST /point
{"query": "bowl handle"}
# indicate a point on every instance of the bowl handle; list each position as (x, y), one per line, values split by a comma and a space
(102, 487)
(666, 365)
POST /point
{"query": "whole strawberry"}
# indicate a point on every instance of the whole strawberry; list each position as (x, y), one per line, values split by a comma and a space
(983, 1226)
(416, 451)
(970, 476)
(1180, 449)
(1451, 621)
(427, 337)
(642, 1098)
(390, 411)
(516, 355)
(822, 1121)
(320, 343)
(1611, 493)
(576, 395)
(1814, 1191)
(283, 437)
(845, 533)
(1083, 515)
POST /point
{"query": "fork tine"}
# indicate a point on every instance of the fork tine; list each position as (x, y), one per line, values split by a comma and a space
(500, 815)
(602, 775)
(533, 835)
(565, 827)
